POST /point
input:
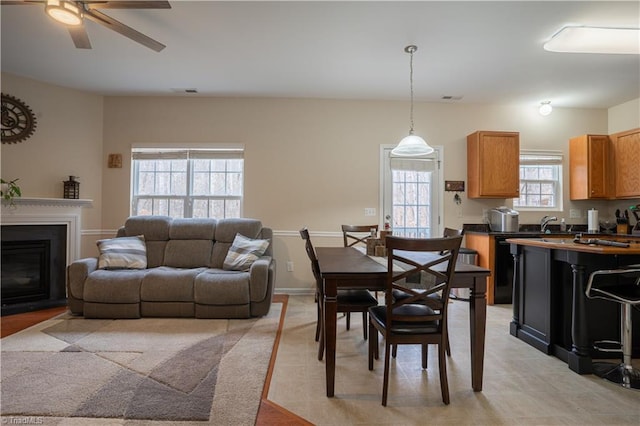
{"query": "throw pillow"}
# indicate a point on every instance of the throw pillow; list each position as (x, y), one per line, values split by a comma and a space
(123, 253)
(243, 252)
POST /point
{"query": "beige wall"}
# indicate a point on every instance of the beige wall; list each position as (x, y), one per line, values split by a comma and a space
(315, 162)
(624, 116)
(67, 141)
(308, 162)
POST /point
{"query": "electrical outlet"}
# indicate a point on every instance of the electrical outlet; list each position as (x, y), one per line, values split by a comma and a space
(485, 215)
(290, 266)
(369, 211)
(575, 214)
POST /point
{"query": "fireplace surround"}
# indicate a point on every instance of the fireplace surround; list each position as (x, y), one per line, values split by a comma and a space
(40, 237)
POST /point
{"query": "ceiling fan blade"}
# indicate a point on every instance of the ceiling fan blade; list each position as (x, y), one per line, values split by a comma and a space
(20, 3)
(123, 29)
(92, 5)
(80, 37)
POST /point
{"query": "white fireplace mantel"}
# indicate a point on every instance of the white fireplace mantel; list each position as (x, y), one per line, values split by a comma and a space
(49, 211)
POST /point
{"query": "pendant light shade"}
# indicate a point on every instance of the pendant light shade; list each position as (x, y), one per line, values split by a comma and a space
(412, 145)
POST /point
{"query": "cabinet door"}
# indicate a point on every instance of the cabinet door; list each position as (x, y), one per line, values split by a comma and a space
(493, 164)
(626, 157)
(589, 167)
(485, 246)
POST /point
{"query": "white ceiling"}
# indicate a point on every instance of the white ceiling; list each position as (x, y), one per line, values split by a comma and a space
(486, 52)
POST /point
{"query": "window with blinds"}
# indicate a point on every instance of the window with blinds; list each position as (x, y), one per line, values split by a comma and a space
(540, 180)
(187, 182)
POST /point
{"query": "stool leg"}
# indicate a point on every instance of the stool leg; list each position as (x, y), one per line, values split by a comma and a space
(623, 374)
(630, 375)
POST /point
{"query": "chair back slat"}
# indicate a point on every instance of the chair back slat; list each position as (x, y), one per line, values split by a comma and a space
(315, 266)
(356, 234)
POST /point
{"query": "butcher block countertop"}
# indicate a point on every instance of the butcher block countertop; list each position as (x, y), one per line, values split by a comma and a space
(569, 244)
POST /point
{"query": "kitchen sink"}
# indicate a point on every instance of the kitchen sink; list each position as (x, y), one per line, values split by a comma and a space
(556, 240)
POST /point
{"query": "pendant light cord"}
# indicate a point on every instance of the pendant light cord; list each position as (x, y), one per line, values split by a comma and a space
(410, 49)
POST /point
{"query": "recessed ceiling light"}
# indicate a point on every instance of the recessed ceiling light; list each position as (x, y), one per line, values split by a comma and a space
(595, 40)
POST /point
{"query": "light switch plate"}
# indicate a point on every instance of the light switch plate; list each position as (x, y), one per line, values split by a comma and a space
(369, 211)
(575, 213)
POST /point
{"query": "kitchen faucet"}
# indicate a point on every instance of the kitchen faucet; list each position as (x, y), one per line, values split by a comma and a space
(545, 221)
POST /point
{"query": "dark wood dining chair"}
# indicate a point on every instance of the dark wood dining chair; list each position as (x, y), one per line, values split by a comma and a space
(448, 232)
(356, 300)
(357, 234)
(353, 235)
(420, 318)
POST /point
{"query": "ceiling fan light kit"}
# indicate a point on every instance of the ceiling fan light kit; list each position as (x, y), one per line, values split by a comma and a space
(65, 12)
(73, 13)
(412, 145)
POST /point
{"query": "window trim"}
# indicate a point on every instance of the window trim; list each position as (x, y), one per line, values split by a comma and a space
(438, 185)
(187, 152)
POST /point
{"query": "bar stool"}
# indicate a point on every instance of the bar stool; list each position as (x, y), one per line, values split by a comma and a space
(620, 286)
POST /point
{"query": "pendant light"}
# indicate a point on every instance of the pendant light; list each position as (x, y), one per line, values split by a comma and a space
(412, 145)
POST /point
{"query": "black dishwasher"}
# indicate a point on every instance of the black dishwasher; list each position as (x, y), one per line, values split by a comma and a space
(503, 271)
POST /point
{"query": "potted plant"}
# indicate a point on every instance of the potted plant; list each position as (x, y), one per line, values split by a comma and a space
(9, 190)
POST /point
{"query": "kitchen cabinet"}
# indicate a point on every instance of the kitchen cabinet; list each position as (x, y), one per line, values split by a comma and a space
(589, 167)
(493, 164)
(486, 248)
(625, 147)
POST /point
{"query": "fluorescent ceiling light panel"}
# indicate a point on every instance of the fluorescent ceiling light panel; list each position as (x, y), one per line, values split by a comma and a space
(595, 40)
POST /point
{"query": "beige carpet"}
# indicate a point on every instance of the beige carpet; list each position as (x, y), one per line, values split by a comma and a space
(151, 370)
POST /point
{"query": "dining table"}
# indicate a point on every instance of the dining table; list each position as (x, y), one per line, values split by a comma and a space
(351, 268)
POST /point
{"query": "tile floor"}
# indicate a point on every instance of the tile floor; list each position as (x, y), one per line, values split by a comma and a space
(521, 385)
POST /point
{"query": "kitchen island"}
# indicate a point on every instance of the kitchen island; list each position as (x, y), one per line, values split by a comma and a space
(550, 309)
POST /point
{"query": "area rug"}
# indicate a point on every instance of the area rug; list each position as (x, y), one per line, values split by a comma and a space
(154, 369)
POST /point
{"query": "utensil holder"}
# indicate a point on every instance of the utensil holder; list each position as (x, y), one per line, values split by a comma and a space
(622, 228)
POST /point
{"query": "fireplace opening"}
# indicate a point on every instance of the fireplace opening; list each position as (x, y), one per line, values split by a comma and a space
(33, 267)
(24, 266)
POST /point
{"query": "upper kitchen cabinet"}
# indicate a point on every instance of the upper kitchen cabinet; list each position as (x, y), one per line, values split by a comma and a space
(625, 148)
(589, 165)
(493, 164)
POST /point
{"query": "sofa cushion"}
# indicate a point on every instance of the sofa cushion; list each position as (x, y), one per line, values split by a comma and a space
(154, 228)
(122, 253)
(192, 229)
(166, 284)
(156, 234)
(119, 286)
(188, 253)
(243, 252)
(226, 230)
(218, 287)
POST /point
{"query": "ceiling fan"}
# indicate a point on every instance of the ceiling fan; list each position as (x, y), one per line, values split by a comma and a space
(72, 14)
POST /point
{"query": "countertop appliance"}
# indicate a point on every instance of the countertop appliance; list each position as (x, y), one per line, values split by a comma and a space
(503, 219)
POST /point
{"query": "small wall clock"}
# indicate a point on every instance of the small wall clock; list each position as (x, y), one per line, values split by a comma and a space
(18, 121)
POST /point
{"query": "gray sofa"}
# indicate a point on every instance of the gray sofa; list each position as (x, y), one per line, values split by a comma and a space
(184, 275)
